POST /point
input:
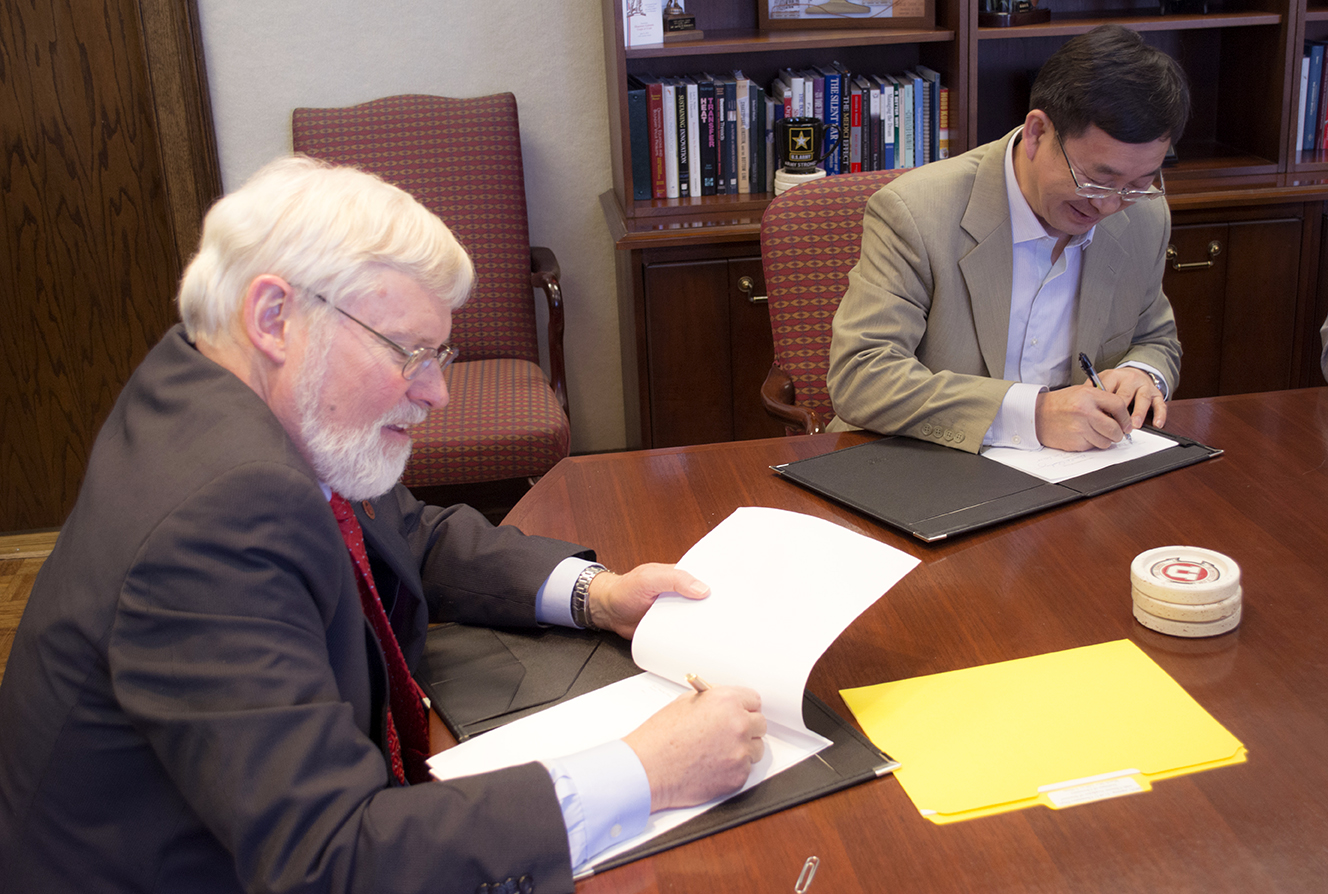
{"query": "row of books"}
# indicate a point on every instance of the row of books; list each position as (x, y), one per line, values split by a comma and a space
(1313, 127)
(704, 135)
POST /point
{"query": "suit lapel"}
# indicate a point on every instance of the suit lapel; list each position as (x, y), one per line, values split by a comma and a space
(988, 269)
(388, 551)
(1102, 268)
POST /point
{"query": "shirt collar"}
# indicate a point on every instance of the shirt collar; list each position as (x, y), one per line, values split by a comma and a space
(1023, 222)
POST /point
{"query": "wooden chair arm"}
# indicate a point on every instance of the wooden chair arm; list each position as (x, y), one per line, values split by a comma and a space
(544, 275)
(778, 396)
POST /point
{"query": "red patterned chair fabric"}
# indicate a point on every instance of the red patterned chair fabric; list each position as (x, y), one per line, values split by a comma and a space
(811, 237)
(461, 159)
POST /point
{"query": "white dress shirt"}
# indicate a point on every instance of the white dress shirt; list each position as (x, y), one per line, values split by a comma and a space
(1043, 301)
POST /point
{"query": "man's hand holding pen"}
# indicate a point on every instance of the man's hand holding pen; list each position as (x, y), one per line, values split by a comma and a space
(1086, 417)
(703, 744)
(700, 746)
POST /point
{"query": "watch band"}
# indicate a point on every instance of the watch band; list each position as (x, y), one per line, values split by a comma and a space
(1158, 382)
(581, 596)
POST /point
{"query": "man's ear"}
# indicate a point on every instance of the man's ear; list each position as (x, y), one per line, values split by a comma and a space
(1038, 129)
(267, 309)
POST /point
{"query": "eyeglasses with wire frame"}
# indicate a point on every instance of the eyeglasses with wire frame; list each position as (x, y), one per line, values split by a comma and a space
(418, 360)
(1097, 191)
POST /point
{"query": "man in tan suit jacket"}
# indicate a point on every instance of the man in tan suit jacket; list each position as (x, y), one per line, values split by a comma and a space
(947, 333)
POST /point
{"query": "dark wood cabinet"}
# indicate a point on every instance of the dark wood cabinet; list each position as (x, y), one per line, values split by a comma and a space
(706, 347)
(1233, 288)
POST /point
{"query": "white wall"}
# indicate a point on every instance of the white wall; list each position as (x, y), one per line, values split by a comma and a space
(266, 58)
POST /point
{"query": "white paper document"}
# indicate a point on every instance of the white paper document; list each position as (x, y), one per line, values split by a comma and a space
(1054, 465)
(764, 625)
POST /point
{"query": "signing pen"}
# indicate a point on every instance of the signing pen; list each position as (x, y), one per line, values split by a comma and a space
(697, 683)
(1092, 376)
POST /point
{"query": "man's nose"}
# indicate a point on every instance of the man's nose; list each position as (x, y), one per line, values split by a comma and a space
(430, 388)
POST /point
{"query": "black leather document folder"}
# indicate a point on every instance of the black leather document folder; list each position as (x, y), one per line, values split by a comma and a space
(934, 492)
(478, 679)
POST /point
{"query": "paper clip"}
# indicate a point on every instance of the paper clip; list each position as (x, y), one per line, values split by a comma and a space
(805, 877)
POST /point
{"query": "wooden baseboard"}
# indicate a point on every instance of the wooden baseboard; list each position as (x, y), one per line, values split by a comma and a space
(33, 545)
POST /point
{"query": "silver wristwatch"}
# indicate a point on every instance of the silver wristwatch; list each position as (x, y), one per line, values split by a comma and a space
(581, 596)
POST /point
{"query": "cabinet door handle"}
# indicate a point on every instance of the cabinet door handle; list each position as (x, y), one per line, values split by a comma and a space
(747, 286)
(1214, 249)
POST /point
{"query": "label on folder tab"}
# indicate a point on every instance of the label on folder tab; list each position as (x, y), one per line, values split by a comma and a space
(1095, 788)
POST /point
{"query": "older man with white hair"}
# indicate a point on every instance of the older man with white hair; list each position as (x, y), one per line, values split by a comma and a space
(210, 688)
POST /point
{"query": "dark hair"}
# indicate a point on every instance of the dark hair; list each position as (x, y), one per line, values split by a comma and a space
(1111, 78)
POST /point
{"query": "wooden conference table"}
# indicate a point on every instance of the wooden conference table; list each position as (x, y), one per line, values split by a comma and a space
(1054, 581)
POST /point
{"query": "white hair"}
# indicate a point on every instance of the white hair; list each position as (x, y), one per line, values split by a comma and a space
(326, 230)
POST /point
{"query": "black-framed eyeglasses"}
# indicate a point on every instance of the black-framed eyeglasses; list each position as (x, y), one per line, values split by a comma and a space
(1090, 190)
(418, 360)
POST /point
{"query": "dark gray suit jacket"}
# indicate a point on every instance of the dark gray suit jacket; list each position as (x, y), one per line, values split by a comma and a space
(194, 699)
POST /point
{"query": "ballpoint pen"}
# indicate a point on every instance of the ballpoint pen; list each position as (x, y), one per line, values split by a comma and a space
(697, 683)
(1092, 377)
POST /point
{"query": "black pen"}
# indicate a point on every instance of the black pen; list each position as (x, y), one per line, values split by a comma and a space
(1092, 376)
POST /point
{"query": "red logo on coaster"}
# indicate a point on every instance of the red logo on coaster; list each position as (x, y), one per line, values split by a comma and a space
(1181, 571)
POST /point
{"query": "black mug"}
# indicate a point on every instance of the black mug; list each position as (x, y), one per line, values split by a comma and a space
(797, 141)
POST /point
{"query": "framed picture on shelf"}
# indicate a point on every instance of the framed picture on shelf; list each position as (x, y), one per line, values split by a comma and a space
(799, 14)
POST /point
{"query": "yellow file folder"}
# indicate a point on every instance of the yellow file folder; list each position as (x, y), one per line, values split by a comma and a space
(1058, 729)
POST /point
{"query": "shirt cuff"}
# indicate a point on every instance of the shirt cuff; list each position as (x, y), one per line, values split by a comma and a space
(604, 795)
(553, 601)
(1166, 388)
(1015, 424)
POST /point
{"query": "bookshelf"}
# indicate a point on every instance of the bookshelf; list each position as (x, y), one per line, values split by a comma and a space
(1238, 166)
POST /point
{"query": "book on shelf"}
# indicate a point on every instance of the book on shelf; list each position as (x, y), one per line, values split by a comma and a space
(854, 128)
(1304, 90)
(693, 137)
(1321, 125)
(932, 79)
(904, 87)
(709, 134)
(830, 111)
(684, 139)
(760, 125)
(670, 139)
(943, 127)
(845, 117)
(655, 123)
(793, 89)
(638, 119)
(889, 121)
(871, 93)
(742, 89)
(1314, 50)
(921, 136)
(729, 141)
(702, 135)
(643, 22)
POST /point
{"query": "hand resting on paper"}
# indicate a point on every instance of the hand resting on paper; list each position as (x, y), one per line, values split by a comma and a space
(617, 602)
(700, 746)
(1086, 418)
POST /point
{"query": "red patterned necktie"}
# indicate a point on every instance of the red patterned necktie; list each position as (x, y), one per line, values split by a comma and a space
(407, 727)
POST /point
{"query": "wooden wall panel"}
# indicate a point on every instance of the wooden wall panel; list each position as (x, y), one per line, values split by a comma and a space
(91, 253)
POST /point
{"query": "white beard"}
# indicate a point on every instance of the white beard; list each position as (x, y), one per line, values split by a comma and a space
(357, 463)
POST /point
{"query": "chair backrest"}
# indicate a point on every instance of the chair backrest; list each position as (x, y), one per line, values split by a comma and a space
(461, 159)
(811, 236)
